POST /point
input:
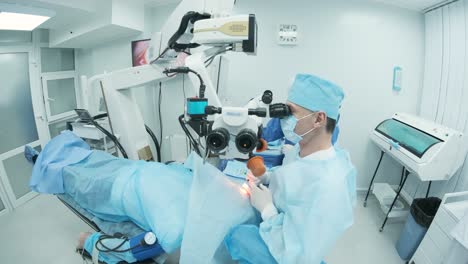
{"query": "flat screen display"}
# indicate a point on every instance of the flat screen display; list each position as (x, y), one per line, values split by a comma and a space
(140, 52)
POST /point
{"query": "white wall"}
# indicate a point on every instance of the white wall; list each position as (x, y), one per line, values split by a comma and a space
(353, 43)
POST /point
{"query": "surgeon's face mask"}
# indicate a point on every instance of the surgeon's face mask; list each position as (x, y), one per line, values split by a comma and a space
(289, 124)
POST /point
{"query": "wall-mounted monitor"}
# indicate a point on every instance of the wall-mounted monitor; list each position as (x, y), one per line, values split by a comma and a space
(140, 52)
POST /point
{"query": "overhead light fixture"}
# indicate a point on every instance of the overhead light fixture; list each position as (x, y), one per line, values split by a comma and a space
(19, 17)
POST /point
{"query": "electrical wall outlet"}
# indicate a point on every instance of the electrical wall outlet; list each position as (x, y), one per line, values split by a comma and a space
(287, 34)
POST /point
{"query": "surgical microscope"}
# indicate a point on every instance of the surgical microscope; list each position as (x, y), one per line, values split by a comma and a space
(228, 132)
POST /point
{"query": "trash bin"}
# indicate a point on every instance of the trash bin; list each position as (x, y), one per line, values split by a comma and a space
(421, 215)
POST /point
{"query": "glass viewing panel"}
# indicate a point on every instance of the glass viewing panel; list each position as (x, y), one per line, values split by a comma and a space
(408, 137)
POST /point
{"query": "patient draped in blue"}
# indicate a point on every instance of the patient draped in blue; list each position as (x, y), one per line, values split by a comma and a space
(152, 195)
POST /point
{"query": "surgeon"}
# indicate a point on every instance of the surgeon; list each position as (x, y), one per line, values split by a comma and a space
(309, 201)
(272, 131)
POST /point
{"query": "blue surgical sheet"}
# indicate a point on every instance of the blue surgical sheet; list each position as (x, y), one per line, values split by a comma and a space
(156, 197)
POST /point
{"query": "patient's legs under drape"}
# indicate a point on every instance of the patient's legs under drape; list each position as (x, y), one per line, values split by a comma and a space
(90, 184)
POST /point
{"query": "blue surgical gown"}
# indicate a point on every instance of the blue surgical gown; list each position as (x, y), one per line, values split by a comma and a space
(315, 200)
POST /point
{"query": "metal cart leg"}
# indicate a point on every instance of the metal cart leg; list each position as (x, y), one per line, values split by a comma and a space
(402, 174)
(428, 188)
(394, 200)
(373, 177)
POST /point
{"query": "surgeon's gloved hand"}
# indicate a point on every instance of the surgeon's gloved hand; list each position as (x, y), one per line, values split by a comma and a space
(262, 200)
(264, 179)
(286, 148)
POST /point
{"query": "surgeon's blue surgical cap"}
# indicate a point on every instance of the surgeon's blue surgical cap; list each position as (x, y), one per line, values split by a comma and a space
(316, 94)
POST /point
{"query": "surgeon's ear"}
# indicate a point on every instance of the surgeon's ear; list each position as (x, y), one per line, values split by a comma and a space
(321, 119)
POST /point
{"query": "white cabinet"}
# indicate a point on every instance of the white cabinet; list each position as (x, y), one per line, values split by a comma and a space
(438, 246)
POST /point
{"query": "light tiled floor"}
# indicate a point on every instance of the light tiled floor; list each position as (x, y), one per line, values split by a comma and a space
(45, 231)
(42, 231)
(363, 243)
